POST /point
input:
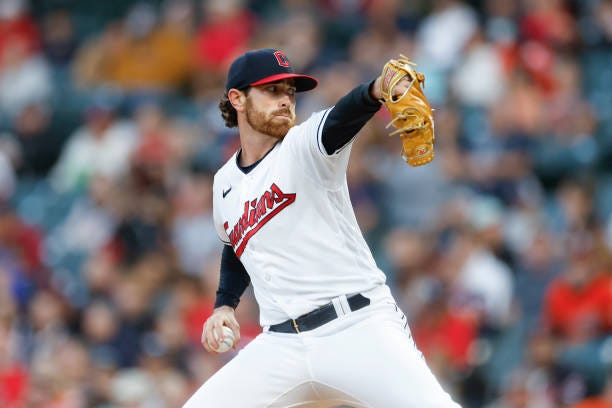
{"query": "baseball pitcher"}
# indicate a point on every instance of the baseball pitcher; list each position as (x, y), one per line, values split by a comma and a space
(332, 332)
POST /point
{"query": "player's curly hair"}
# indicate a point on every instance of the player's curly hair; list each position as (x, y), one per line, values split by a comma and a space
(229, 114)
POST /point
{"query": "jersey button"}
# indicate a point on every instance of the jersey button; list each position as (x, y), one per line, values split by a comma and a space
(267, 277)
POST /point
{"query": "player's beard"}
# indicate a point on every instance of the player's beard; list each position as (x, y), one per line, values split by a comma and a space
(269, 124)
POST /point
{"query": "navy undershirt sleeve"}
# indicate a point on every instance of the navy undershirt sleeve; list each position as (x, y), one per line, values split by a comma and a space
(347, 117)
(233, 279)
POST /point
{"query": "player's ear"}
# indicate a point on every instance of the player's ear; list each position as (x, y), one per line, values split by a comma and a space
(237, 98)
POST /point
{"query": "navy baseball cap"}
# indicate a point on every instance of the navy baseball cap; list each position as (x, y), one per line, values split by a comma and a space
(263, 66)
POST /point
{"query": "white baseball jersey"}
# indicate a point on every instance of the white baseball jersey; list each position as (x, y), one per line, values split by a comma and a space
(291, 223)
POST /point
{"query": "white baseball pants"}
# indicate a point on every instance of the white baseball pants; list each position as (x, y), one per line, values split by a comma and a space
(365, 358)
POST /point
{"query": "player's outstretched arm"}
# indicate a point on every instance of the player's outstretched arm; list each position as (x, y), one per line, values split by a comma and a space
(348, 116)
(352, 112)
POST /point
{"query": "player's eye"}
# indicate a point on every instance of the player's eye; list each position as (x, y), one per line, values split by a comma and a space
(278, 90)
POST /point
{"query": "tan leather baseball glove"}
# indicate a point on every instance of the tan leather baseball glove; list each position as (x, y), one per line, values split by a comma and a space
(412, 115)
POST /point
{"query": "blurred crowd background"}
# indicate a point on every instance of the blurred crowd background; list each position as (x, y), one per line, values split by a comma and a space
(499, 251)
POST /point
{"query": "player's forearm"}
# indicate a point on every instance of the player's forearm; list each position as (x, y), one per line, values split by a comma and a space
(233, 279)
(348, 116)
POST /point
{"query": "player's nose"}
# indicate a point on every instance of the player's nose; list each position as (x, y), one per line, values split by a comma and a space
(285, 100)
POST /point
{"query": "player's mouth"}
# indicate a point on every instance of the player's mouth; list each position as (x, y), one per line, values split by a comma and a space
(283, 114)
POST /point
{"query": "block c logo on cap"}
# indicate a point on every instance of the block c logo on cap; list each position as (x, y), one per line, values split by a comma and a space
(282, 59)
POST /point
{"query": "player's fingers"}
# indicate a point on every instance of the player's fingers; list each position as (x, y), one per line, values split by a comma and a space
(401, 87)
(235, 327)
(209, 338)
(205, 335)
(206, 344)
(215, 335)
(236, 338)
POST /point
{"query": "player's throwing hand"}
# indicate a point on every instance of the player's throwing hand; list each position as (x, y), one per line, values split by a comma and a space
(212, 333)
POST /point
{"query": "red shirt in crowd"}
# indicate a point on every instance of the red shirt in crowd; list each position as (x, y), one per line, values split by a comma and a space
(450, 335)
(579, 313)
(13, 386)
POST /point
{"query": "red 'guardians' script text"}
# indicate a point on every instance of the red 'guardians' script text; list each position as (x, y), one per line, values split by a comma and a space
(256, 213)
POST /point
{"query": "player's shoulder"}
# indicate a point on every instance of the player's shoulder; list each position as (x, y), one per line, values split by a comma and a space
(312, 123)
(317, 118)
(225, 171)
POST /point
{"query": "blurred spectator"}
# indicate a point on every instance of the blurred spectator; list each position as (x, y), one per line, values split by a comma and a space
(140, 55)
(192, 305)
(8, 179)
(73, 362)
(548, 21)
(92, 60)
(446, 335)
(168, 345)
(444, 33)
(603, 400)
(38, 143)
(482, 279)
(102, 146)
(539, 265)
(59, 38)
(90, 221)
(481, 61)
(402, 206)
(224, 33)
(226, 30)
(43, 334)
(161, 148)
(572, 209)
(193, 229)
(13, 374)
(578, 302)
(133, 388)
(131, 300)
(152, 57)
(577, 311)
(17, 25)
(526, 116)
(21, 249)
(100, 331)
(24, 78)
(103, 371)
(603, 20)
(145, 213)
(411, 257)
(156, 361)
(364, 191)
(336, 80)
(522, 390)
(572, 122)
(382, 37)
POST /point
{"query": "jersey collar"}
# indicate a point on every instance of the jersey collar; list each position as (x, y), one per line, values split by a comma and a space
(250, 167)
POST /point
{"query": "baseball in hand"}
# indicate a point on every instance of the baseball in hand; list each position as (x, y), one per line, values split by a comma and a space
(228, 340)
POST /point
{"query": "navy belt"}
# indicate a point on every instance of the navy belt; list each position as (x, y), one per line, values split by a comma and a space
(318, 317)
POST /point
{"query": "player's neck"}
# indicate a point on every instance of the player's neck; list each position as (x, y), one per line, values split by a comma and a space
(254, 146)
